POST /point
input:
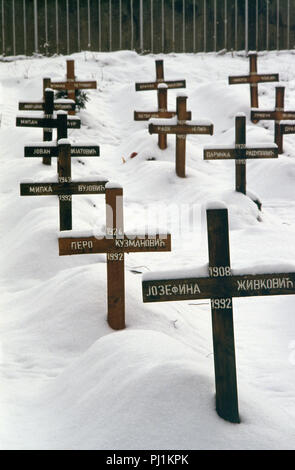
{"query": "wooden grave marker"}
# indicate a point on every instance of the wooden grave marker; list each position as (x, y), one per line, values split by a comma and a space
(181, 129)
(220, 286)
(48, 105)
(241, 153)
(144, 86)
(253, 79)
(65, 188)
(277, 115)
(161, 113)
(71, 84)
(115, 244)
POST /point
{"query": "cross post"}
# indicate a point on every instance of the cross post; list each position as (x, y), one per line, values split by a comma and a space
(144, 86)
(277, 115)
(253, 79)
(115, 244)
(71, 84)
(241, 153)
(181, 129)
(65, 187)
(220, 286)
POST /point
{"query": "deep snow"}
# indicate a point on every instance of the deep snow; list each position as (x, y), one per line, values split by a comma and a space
(68, 380)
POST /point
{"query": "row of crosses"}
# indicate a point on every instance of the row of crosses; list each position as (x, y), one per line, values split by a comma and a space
(219, 285)
(163, 122)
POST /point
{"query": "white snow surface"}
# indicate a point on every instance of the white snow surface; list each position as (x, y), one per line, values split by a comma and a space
(67, 380)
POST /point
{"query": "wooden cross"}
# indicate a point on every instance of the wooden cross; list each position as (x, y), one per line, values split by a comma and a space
(220, 286)
(144, 86)
(115, 244)
(65, 188)
(277, 115)
(253, 78)
(71, 85)
(48, 105)
(161, 113)
(241, 153)
(49, 121)
(181, 129)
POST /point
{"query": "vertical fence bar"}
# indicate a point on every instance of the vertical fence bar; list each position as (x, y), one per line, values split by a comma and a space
(205, 25)
(46, 27)
(141, 24)
(25, 26)
(152, 26)
(163, 26)
(194, 25)
(288, 25)
(56, 27)
(278, 25)
(3, 28)
(183, 25)
(246, 27)
(36, 40)
(257, 30)
(89, 24)
(68, 28)
(225, 24)
(173, 25)
(120, 24)
(215, 26)
(236, 25)
(132, 27)
(78, 26)
(110, 26)
(267, 25)
(13, 27)
(99, 25)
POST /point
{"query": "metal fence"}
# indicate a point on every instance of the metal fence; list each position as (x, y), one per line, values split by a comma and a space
(66, 26)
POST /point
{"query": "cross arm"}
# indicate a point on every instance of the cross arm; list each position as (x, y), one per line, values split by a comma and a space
(165, 126)
(103, 244)
(63, 188)
(50, 149)
(248, 153)
(171, 84)
(165, 290)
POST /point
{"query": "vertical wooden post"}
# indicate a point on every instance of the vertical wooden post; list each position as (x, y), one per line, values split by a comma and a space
(159, 70)
(62, 131)
(115, 261)
(71, 78)
(48, 99)
(162, 107)
(181, 139)
(222, 321)
(280, 105)
(64, 176)
(253, 86)
(241, 162)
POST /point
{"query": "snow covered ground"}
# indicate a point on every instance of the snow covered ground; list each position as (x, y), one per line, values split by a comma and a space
(69, 381)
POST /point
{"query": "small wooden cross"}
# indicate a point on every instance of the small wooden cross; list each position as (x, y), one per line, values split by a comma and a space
(220, 286)
(241, 153)
(71, 85)
(253, 78)
(277, 115)
(144, 86)
(181, 129)
(65, 188)
(48, 105)
(161, 113)
(115, 244)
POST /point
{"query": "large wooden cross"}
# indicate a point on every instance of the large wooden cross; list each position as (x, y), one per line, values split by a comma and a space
(65, 187)
(115, 244)
(278, 114)
(48, 105)
(144, 86)
(220, 285)
(161, 113)
(181, 129)
(253, 79)
(71, 85)
(241, 153)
